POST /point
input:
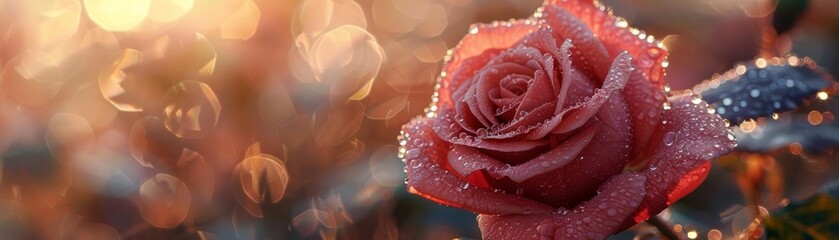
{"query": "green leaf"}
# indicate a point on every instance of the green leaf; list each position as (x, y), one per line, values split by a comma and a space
(816, 218)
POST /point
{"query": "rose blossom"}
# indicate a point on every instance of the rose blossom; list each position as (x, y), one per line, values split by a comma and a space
(558, 126)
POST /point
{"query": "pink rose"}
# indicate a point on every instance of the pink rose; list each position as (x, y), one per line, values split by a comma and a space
(558, 126)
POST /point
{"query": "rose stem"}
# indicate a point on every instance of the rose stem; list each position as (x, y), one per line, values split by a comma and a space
(663, 228)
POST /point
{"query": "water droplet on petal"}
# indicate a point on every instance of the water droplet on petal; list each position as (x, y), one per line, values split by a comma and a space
(669, 138)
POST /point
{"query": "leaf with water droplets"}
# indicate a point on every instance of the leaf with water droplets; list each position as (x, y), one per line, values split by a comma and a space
(791, 129)
(764, 87)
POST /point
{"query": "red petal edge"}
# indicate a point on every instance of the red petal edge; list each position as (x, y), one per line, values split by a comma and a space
(644, 92)
(616, 36)
(426, 157)
(680, 151)
(596, 219)
(481, 37)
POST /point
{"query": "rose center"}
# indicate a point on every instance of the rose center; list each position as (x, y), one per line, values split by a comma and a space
(514, 85)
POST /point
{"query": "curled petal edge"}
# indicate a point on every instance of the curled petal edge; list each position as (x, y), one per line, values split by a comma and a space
(429, 177)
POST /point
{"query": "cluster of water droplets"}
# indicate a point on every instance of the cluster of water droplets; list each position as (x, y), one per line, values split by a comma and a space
(763, 87)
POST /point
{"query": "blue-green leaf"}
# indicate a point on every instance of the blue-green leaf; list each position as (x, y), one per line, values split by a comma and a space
(763, 87)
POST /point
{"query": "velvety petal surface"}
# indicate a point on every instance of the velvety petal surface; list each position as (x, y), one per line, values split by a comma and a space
(644, 92)
(466, 160)
(598, 218)
(428, 176)
(482, 38)
(589, 54)
(616, 35)
(572, 118)
(680, 151)
(447, 128)
(603, 157)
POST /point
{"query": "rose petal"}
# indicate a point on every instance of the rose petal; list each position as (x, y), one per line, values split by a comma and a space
(604, 157)
(553, 159)
(539, 93)
(526, 123)
(448, 130)
(590, 55)
(575, 85)
(426, 177)
(489, 78)
(466, 117)
(466, 160)
(645, 102)
(616, 36)
(482, 37)
(644, 92)
(598, 218)
(574, 117)
(477, 108)
(679, 152)
(616, 80)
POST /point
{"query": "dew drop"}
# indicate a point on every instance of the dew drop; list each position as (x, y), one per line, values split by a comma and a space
(413, 153)
(696, 99)
(545, 164)
(669, 138)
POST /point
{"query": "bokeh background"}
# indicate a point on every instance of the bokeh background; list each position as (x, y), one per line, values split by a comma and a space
(277, 119)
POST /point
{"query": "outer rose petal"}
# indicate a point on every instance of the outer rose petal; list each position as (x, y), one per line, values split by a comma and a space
(644, 92)
(482, 37)
(596, 219)
(466, 160)
(616, 37)
(428, 178)
(590, 54)
(644, 100)
(679, 152)
(604, 157)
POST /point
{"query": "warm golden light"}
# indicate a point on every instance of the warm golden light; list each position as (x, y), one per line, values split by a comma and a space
(748, 126)
(692, 234)
(112, 77)
(242, 23)
(169, 10)
(54, 21)
(815, 117)
(740, 69)
(117, 15)
(715, 234)
(760, 62)
(822, 95)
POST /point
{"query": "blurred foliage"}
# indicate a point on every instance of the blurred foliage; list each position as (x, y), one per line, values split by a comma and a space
(815, 218)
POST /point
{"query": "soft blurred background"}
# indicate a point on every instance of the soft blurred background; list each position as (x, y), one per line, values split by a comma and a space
(269, 119)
